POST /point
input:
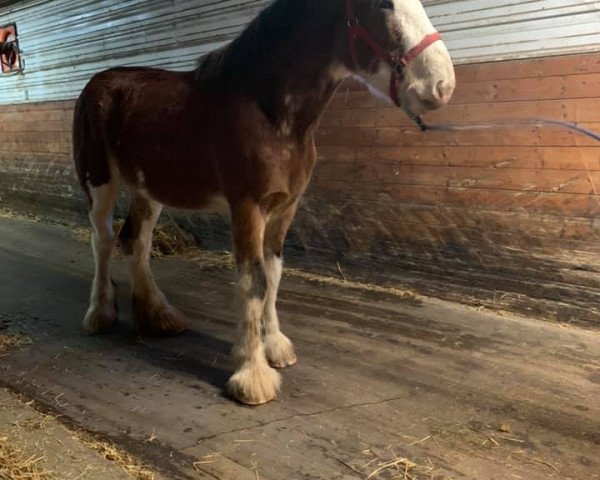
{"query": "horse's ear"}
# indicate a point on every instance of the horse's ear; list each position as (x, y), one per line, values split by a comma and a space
(386, 4)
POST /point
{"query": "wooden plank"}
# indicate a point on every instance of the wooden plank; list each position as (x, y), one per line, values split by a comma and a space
(38, 116)
(563, 86)
(572, 110)
(527, 89)
(35, 137)
(426, 240)
(429, 228)
(541, 67)
(498, 136)
(559, 203)
(349, 136)
(381, 176)
(554, 158)
(19, 157)
(35, 126)
(36, 106)
(34, 147)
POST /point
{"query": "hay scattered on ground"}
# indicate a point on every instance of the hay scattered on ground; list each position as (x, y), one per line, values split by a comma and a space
(15, 340)
(15, 465)
(171, 239)
(14, 215)
(388, 465)
(339, 282)
(132, 466)
(168, 239)
(206, 460)
(213, 260)
(225, 261)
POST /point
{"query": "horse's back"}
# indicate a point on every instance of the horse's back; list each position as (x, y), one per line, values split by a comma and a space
(148, 122)
(164, 129)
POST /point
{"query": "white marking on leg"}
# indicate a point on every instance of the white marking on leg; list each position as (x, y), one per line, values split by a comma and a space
(248, 329)
(101, 313)
(254, 381)
(279, 348)
(273, 269)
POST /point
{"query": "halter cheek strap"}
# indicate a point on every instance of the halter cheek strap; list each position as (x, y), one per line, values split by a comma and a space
(355, 30)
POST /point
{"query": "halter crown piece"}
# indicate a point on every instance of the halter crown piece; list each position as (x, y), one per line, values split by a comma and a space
(355, 30)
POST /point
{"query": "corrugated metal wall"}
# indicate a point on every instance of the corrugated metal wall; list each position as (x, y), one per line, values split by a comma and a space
(484, 30)
(66, 41)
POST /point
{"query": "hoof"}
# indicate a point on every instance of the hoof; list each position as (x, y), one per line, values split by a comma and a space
(100, 318)
(254, 383)
(161, 319)
(279, 350)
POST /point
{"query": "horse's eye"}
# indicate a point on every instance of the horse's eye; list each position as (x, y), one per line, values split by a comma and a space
(386, 4)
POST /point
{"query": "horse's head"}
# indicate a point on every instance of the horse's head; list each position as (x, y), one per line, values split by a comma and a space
(394, 47)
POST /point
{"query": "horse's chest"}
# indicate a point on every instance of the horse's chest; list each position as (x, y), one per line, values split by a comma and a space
(291, 169)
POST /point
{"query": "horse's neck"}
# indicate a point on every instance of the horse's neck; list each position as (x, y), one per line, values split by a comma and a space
(297, 109)
(303, 80)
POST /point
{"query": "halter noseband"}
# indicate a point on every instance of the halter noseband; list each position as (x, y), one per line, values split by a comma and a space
(355, 30)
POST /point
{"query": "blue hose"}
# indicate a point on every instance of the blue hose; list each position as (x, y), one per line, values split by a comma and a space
(519, 121)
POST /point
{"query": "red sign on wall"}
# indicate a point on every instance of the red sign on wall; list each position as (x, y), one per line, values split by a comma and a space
(10, 55)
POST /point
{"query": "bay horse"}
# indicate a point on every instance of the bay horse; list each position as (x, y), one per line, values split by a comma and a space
(240, 128)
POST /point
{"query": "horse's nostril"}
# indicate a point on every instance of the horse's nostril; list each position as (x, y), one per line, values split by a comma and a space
(443, 92)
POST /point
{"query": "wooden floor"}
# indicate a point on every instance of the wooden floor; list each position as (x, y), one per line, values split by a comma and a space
(417, 389)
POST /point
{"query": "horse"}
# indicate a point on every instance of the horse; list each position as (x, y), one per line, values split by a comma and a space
(239, 130)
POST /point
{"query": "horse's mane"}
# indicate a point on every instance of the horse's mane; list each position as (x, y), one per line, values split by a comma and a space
(260, 44)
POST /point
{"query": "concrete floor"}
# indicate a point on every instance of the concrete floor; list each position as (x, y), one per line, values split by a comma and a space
(459, 393)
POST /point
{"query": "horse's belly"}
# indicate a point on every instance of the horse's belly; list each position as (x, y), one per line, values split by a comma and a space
(172, 176)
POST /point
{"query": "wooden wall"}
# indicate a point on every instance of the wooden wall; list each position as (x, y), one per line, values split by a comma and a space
(36, 168)
(488, 175)
(511, 212)
(506, 217)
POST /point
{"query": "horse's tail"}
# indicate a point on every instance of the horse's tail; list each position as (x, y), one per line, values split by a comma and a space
(90, 142)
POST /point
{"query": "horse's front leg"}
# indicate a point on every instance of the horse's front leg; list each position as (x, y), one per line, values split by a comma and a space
(254, 381)
(279, 348)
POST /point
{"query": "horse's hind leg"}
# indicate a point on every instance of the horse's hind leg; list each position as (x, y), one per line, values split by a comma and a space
(151, 311)
(278, 347)
(102, 312)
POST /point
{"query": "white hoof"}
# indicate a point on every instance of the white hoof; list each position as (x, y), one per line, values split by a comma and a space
(279, 350)
(100, 318)
(254, 383)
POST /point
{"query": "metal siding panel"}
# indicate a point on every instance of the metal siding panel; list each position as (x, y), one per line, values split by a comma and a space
(487, 30)
(66, 41)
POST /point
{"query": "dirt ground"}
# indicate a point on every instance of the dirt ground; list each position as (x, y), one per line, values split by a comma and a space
(387, 387)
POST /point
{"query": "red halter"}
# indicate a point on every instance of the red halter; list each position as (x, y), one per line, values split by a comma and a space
(355, 30)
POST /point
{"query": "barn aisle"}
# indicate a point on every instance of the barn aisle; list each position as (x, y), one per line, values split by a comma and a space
(384, 384)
